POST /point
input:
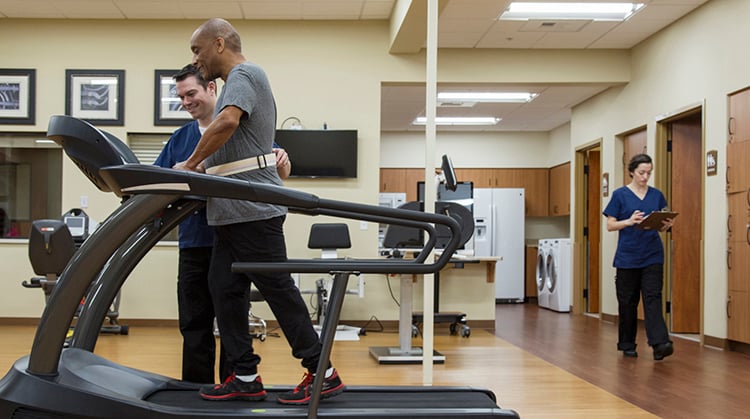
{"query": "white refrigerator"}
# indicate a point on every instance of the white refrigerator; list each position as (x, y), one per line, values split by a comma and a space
(499, 219)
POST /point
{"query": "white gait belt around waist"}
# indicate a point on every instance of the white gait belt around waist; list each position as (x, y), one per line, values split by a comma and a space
(244, 165)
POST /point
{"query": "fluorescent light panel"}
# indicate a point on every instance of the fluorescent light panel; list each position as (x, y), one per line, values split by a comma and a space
(595, 11)
(494, 97)
(456, 120)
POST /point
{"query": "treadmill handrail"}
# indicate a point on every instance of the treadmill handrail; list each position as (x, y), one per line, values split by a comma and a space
(145, 179)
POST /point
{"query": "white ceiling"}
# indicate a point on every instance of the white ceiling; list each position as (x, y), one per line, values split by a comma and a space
(462, 24)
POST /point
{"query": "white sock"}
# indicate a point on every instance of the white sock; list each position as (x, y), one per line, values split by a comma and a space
(247, 378)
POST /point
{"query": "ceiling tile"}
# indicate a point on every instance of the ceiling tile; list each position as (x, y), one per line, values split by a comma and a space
(279, 9)
(377, 9)
(341, 9)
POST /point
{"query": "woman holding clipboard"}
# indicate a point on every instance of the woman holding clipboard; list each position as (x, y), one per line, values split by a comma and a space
(639, 258)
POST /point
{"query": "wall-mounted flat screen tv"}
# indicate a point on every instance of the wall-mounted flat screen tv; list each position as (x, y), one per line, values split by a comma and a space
(320, 153)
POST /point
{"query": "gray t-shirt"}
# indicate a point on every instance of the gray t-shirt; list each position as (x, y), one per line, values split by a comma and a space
(247, 88)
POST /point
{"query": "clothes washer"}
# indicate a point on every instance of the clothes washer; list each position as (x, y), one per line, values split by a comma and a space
(558, 275)
(542, 291)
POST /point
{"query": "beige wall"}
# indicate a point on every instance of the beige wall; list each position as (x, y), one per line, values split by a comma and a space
(698, 60)
(319, 76)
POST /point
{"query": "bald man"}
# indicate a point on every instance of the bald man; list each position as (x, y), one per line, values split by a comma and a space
(238, 144)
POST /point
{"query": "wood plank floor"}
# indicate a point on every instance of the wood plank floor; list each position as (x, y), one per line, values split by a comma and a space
(522, 382)
(696, 381)
(539, 363)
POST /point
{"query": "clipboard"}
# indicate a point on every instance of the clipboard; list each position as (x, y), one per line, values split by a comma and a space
(653, 220)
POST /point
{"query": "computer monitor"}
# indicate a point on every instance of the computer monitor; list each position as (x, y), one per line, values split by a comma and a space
(462, 191)
(448, 173)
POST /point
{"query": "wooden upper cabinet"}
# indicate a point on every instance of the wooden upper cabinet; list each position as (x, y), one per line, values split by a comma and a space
(392, 180)
(739, 124)
(535, 181)
(401, 180)
(559, 190)
(482, 178)
(536, 184)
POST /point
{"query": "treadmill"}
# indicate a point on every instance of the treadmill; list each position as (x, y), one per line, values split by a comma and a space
(54, 381)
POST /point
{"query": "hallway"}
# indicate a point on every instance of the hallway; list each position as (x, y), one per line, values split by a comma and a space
(694, 382)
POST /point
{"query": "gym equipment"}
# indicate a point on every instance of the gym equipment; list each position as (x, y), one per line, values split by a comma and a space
(57, 382)
(52, 243)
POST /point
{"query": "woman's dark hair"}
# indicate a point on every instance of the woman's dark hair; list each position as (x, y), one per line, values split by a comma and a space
(636, 160)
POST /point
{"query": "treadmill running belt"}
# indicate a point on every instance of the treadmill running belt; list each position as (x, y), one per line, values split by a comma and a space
(379, 402)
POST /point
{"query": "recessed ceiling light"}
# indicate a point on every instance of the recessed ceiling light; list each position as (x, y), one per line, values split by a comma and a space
(458, 120)
(595, 11)
(495, 97)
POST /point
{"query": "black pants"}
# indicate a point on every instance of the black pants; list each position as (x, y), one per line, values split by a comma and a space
(258, 241)
(630, 283)
(196, 317)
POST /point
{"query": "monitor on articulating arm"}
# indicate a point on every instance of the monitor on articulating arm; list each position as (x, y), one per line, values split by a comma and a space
(448, 173)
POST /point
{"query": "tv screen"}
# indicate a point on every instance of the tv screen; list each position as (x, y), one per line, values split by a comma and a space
(320, 153)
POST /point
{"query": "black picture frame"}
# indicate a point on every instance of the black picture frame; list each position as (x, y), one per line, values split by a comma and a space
(168, 110)
(18, 96)
(96, 96)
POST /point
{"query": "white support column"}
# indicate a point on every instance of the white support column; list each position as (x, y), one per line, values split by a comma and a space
(430, 188)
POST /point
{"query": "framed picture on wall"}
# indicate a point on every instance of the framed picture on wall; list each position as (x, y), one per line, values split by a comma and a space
(97, 96)
(17, 96)
(168, 108)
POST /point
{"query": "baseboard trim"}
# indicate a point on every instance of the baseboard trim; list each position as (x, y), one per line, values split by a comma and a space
(610, 318)
(715, 342)
(740, 347)
(370, 325)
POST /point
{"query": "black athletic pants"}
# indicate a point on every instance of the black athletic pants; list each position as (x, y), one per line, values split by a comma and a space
(630, 284)
(196, 316)
(258, 241)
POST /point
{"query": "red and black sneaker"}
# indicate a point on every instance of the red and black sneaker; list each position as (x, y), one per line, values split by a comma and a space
(332, 386)
(235, 389)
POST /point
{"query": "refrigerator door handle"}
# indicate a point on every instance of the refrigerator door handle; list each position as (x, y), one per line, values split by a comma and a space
(496, 230)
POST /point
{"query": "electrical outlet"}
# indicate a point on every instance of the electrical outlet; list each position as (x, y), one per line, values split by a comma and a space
(363, 225)
(84, 201)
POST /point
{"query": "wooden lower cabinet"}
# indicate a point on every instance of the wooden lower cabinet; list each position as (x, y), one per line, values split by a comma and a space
(738, 316)
(530, 274)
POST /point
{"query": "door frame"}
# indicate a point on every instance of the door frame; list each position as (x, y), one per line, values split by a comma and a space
(663, 181)
(579, 220)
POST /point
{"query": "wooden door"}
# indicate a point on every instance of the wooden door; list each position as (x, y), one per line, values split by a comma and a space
(633, 143)
(594, 228)
(686, 235)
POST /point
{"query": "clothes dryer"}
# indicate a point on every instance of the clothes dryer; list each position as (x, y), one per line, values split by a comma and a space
(559, 275)
(542, 291)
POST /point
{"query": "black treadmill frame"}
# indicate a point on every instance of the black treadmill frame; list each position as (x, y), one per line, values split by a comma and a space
(74, 382)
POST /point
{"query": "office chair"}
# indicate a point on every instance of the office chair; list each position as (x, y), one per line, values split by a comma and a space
(329, 238)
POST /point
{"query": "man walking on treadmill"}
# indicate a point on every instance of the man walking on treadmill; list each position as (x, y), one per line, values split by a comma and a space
(238, 144)
(196, 237)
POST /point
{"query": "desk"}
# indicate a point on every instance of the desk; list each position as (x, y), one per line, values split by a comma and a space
(405, 353)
